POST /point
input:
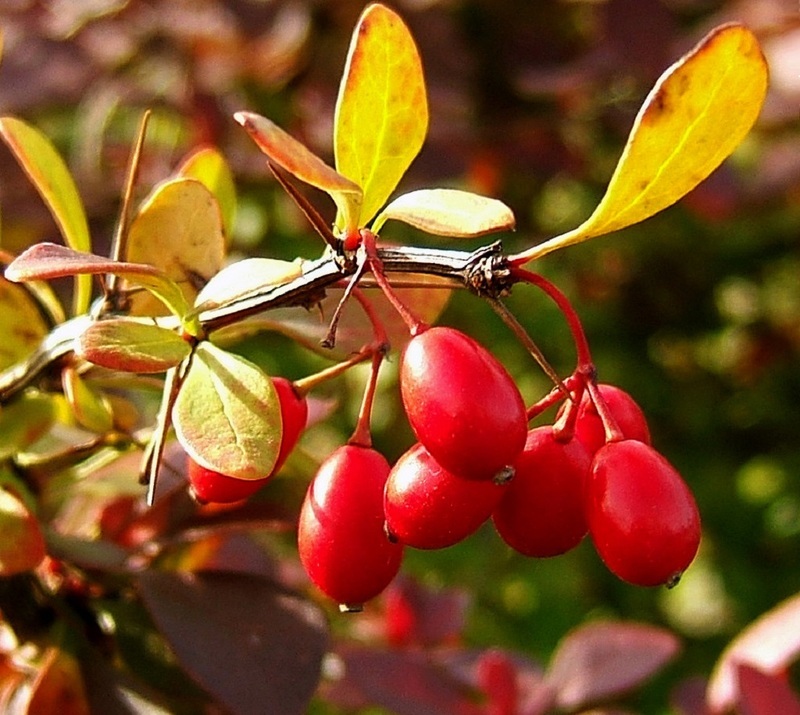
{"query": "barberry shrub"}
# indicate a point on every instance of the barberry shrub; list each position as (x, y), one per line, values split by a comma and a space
(173, 313)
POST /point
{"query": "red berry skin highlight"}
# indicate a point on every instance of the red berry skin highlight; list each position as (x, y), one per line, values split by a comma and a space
(542, 513)
(462, 403)
(642, 516)
(623, 408)
(341, 540)
(428, 507)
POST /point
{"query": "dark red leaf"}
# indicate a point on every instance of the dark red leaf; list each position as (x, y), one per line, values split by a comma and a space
(600, 660)
(764, 694)
(254, 646)
(404, 682)
(689, 697)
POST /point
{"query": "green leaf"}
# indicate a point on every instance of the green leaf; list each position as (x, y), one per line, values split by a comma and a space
(210, 168)
(24, 421)
(227, 415)
(88, 407)
(237, 280)
(179, 230)
(288, 153)
(696, 115)
(23, 326)
(381, 111)
(44, 261)
(132, 346)
(22, 544)
(448, 212)
(49, 174)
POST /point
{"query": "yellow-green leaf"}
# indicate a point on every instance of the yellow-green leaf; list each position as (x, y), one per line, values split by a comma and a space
(22, 327)
(382, 109)
(178, 229)
(288, 153)
(89, 408)
(131, 346)
(22, 544)
(448, 212)
(50, 175)
(211, 169)
(24, 421)
(696, 115)
(227, 415)
(237, 280)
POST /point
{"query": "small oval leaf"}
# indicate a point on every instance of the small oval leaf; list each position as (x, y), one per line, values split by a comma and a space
(696, 115)
(24, 421)
(50, 175)
(381, 111)
(23, 326)
(131, 346)
(179, 230)
(238, 279)
(288, 153)
(448, 212)
(88, 407)
(208, 166)
(227, 415)
(22, 544)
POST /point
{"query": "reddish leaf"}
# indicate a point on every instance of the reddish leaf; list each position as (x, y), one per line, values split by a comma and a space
(254, 646)
(689, 697)
(404, 682)
(599, 660)
(762, 694)
(58, 686)
(770, 644)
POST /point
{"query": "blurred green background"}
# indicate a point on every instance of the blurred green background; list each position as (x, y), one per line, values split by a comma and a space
(696, 312)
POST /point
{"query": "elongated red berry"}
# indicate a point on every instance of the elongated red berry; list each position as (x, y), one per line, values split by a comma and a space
(462, 403)
(211, 487)
(341, 539)
(642, 516)
(542, 512)
(623, 408)
(428, 507)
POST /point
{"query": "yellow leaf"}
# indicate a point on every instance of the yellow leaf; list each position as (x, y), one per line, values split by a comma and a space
(288, 153)
(50, 175)
(22, 326)
(179, 230)
(89, 407)
(211, 169)
(381, 111)
(696, 115)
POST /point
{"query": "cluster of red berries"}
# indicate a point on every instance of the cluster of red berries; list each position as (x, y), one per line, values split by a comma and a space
(476, 459)
(543, 488)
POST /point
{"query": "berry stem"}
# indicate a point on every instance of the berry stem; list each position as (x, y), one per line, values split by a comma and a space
(362, 434)
(415, 325)
(612, 430)
(561, 300)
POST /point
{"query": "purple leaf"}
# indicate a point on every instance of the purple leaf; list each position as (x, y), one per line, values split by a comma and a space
(689, 697)
(770, 643)
(600, 660)
(252, 645)
(403, 682)
(763, 694)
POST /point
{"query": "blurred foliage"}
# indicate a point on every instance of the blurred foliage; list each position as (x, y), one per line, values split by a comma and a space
(695, 312)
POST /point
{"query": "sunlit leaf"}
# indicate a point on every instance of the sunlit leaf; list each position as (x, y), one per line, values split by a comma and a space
(23, 325)
(45, 261)
(131, 346)
(22, 544)
(288, 153)
(448, 212)
(256, 647)
(238, 279)
(211, 169)
(179, 230)
(58, 686)
(692, 120)
(23, 421)
(381, 111)
(771, 643)
(88, 407)
(227, 415)
(49, 174)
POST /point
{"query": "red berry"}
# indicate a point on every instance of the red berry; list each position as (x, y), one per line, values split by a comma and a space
(622, 407)
(209, 486)
(461, 403)
(428, 507)
(642, 516)
(341, 539)
(542, 512)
